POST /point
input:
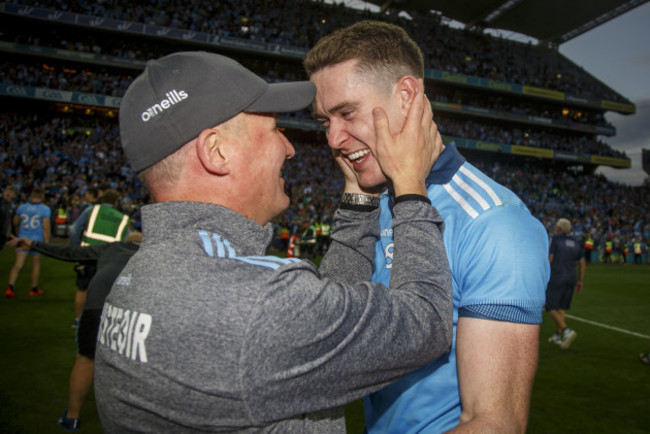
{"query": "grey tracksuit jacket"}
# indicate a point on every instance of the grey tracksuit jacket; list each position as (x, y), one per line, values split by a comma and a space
(203, 333)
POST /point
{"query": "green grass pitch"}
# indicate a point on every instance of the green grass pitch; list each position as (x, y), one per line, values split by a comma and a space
(597, 385)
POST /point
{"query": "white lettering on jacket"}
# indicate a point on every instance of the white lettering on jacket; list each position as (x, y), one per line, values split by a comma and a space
(125, 332)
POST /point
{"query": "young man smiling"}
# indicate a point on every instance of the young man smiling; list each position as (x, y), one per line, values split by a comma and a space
(496, 248)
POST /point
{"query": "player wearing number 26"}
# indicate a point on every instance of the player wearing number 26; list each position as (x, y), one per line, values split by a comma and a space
(34, 220)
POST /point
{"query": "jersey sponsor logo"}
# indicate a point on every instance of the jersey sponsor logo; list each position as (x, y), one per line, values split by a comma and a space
(125, 332)
(173, 97)
(388, 252)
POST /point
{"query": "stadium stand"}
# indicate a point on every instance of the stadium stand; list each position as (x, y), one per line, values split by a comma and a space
(525, 114)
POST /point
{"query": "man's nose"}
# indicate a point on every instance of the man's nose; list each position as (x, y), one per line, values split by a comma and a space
(336, 135)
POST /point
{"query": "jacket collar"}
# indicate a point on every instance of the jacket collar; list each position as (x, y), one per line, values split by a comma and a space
(182, 221)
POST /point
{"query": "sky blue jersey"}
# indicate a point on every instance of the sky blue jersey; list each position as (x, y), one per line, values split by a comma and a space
(31, 220)
(498, 254)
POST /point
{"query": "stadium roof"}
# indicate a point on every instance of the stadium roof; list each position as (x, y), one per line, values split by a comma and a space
(549, 21)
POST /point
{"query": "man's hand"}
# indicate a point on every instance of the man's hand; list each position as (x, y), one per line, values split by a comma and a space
(19, 243)
(407, 157)
(578, 286)
(351, 182)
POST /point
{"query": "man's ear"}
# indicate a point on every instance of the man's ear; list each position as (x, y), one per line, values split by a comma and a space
(211, 148)
(408, 87)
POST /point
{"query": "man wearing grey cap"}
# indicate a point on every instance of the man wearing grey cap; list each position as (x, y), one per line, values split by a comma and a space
(201, 330)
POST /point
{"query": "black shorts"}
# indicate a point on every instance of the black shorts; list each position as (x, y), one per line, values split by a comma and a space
(85, 273)
(558, 296)
(87, 332)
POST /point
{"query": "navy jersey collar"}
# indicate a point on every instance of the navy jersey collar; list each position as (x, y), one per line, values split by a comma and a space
(446, 165)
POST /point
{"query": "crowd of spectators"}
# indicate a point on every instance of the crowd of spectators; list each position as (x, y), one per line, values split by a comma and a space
(504, 104)
(92, 80)
(99, 81)
(523, 135)
(53, 152)
(301, 23)
(65, 78)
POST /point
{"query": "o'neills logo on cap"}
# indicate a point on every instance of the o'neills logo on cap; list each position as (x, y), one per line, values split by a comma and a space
(173, 97)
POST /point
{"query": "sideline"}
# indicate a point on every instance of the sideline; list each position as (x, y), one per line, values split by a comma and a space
(605, 326)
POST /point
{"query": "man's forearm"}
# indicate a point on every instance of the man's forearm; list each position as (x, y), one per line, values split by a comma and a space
(350, 255)
(68, 253)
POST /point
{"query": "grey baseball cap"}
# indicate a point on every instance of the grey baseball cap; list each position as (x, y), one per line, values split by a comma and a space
(179, 95)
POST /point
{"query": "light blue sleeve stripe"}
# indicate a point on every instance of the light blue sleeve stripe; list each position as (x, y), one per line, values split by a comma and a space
(252, 261)
(207, 243)
(221, 252)
(271, 262)
(229, 249)
(281, 261)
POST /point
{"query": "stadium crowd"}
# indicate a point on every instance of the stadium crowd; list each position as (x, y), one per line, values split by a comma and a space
(91, 81)
(48, 151)
(302, 23)
(524, 135)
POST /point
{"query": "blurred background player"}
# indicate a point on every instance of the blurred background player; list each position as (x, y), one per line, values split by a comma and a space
(34, 220)
(6, 213)
(565, 251)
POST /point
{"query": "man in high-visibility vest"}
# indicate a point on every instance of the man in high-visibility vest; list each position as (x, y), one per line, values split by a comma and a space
(638, 251)
(97, 224)
(609, 248)
(61, 221)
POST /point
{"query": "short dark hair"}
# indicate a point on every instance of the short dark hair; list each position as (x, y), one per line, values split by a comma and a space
(110, 196)
(93, 191)
(382, 49)
(37, 193)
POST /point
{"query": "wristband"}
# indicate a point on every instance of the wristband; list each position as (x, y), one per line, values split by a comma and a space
(359, 202)
(408, 197)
